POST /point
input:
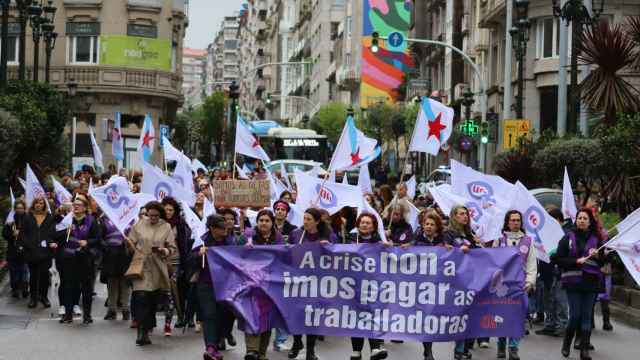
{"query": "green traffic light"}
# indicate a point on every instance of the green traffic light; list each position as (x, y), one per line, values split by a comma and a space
(375, 47)
(484, 139)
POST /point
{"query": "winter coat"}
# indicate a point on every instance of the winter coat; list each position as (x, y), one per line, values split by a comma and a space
(35, 239)
(144, 237)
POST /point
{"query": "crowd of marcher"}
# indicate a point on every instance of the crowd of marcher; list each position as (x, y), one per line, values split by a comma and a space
(176, 281)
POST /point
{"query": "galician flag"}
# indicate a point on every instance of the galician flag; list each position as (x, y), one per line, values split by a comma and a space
(147, 139)
(97, 153)
(117, 144)
(568, 200)
(247, 143)
(433, 127)
(354, 148)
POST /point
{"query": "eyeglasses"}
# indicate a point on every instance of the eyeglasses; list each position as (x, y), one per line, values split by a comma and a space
(153, 215)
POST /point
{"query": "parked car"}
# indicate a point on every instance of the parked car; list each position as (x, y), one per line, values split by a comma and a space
(548, 197)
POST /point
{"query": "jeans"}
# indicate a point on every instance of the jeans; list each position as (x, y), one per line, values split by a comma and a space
(459, 346)
(18, 275)
(207, 310)
(281, 337)
(514, 343)
(580, 305)
(555, 307)
(119, 291)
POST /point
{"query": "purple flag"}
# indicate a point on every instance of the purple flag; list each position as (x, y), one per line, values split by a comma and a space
(419, 294)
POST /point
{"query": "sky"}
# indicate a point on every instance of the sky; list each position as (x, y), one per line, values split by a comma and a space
(204, 20)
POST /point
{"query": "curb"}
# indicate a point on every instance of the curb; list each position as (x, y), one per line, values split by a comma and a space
(625, 314)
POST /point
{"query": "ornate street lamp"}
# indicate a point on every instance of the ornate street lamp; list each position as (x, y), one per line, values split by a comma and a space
(36, 21)
(575, 13)
(520, 33)
(50, 36)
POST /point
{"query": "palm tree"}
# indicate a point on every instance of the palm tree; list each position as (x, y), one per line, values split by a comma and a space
(611, 50)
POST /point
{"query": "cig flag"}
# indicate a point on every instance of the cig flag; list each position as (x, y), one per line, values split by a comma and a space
(314, 192)
(117, 202)
(156, 183)
(62, 194)
(97, 153)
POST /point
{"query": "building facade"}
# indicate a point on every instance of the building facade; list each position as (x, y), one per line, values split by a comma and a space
(194, 68)
(124, 56)
(223, 62)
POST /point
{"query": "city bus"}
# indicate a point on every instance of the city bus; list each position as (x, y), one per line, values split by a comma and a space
(294, 144)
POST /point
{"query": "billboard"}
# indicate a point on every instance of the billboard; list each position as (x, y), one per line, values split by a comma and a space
(383, 72)
(135, 52)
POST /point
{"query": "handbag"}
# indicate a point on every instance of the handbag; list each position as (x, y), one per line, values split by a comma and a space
(134, 272)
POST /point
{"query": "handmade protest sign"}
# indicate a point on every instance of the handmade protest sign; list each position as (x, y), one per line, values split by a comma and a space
(419, 294)
(241, 193)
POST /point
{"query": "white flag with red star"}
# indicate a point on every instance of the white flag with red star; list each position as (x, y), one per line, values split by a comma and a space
(247, 143)
(433, 127)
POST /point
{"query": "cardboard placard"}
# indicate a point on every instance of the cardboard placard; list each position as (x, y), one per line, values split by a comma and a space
(241, 193)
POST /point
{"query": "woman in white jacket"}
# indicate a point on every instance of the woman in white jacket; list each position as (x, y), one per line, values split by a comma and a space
(513, 234)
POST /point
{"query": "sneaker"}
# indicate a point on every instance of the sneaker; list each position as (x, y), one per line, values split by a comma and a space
(280, 347)
(167, 329)
(76, 310)
(378, 354)
(212, 353)
(484, 345)
(61, 311)
(198, 327)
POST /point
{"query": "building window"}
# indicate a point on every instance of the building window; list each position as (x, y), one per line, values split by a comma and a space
(494, 64)
(548, 39)
(83, 50)
(12, 49)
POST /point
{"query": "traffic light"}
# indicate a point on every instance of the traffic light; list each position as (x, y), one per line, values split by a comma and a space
(234, 90)
(375, 46)
(484, 132)
(268, 100)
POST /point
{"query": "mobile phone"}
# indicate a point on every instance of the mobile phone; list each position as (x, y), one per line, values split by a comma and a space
(155, 249)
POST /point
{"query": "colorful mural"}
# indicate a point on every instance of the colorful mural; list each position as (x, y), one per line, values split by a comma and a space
(382, 72)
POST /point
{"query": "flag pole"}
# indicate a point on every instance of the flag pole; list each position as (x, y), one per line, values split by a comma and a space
(235, 156)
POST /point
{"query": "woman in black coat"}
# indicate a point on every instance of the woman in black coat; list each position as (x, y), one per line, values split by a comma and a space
(15, 253)
(37, 239)
(115, 262)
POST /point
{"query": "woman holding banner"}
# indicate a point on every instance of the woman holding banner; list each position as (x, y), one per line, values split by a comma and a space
(38, 230)
(513, 234)
(459, 235)
(77, 260)
(265, 233)
(367, 233)
(153, 238)
(314, 229)
(429, 234)
(580, 261)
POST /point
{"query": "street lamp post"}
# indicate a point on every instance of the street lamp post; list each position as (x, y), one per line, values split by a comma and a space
(520, 32)
(4, 46)
(575, 12)
(50, 37)
(36, 22)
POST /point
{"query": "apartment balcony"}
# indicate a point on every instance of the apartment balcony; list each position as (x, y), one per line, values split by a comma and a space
(492, 13)
(348, 78)
(330, 74)
(97, 79)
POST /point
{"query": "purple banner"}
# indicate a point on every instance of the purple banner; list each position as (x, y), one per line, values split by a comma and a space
(418, 294)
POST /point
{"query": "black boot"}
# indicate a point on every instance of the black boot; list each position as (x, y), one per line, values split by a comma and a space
(140, 336)
(584, 349)
(428, 350)
(606, 314)
(86, 315)
(296, 348)
(566, 343)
